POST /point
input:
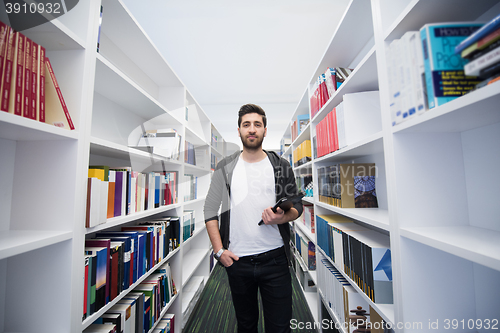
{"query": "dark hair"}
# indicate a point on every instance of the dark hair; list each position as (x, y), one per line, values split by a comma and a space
(251, 108)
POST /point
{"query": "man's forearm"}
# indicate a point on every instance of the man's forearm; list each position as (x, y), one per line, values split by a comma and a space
(214, 235)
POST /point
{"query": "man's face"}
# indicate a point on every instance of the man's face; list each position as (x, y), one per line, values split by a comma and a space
(252, 131)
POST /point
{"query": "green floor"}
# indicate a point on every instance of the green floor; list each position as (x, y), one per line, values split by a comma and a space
(214, 311)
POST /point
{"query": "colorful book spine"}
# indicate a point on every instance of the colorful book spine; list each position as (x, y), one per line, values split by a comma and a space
(444, 73)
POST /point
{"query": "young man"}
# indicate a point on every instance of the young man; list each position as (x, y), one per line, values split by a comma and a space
(247, 184)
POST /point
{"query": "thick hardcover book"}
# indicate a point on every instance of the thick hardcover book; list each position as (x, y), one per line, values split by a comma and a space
(4, 32)
(139, 305)
(444, 73)
(27, 77)
(101, 274)
(94, 215)
(8, 68)
(41, 84)
(106, 243)
(16, 87)
(91, 283)
(56, 111)
(34, 100)
(358, 185)
(127, 254)
(125, 311)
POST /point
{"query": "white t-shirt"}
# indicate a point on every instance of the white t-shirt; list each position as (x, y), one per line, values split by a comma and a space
(252, 191)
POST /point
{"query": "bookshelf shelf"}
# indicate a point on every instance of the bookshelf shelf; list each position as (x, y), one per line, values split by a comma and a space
(476, 109)
(18, 128)
(478, 245)
(101, 311)
(112, 93)
(419, 12)
(371, 145)
(14, 242)
(123, 91)
(437, 202)
(191, 261)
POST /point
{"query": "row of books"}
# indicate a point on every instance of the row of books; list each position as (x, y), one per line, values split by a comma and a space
(425, 71)
(305, 183)
(165, 142)
(28, 85)
(307, 217)
(481, 50)
(216, 141)
(306, 250)
(325, 86)
(115, 260)
(188, 224)
(113, 192)
(338, 294)
(214, 160)
(284, 144)
(190, 187)
(298, 125)
(140, 310)
(364, 255)
(348, 185)
(354, 118)
(302, 154)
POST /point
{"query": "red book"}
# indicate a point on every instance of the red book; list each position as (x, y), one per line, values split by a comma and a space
(34, 82)
(56, 111)
(335, 129)
(28, 53)
(41, 84)
(7, 68)
(16, 86)
(4, 32)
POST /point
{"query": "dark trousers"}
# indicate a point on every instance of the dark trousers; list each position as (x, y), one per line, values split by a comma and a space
(270, 274)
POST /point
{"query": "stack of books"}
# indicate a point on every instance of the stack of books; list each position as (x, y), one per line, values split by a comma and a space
(325, 86)
(114, 192)
(482, 51)
(425, 71)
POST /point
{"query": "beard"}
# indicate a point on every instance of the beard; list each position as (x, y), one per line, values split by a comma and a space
(254, 144)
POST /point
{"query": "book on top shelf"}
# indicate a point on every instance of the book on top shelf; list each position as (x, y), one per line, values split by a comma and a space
(474, 67)
(480, 47)
(479, 33)
(8, 67)
(56, 110)
(444, 70)
(16, 87)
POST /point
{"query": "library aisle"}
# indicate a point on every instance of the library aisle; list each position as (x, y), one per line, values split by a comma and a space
(214, 310)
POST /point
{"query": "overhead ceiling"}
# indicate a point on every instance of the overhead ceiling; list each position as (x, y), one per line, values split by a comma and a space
(232, 52)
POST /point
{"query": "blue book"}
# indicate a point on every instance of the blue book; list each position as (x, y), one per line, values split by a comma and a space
(444, 69)
(101, 254)
(134, 250)
(126, 254)
(481, 32)
(302, 121)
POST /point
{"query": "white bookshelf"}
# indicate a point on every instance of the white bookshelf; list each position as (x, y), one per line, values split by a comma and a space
(110, 94)
(438, 203)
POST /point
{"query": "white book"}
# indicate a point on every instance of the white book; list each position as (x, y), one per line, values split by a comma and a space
(94, 202)
(407, 62)
(132, 319)
(125, 311)
(397, 114)
(417, 65)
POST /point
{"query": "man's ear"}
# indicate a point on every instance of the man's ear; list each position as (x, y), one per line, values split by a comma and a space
(239, 135)
(265, 131)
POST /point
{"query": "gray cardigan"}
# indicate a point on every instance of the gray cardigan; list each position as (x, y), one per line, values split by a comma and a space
(220, 191)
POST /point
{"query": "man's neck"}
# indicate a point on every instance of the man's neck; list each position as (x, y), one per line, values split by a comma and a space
(253, 155)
